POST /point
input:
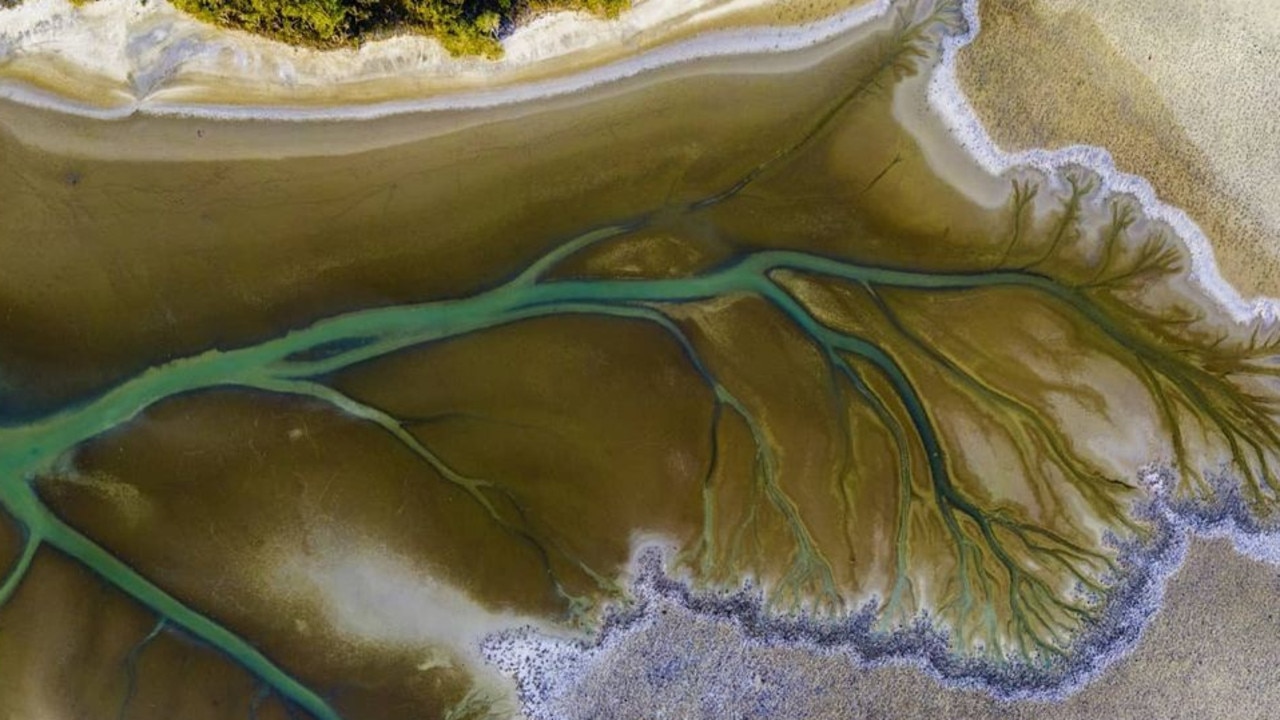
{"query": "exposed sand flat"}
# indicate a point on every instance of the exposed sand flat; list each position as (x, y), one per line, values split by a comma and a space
(63, 71)
(116, 57)
(1206, 655)
(1184, 98)
(121, 59)
(1188, 107)
(159, 80)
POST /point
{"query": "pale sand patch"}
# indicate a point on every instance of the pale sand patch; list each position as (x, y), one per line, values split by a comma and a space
(1021, 73)
(154, 129)
(1185, 98)
(116, 57)
(369, 599)
(1216, 64)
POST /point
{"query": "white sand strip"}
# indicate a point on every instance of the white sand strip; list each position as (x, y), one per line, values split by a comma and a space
(953, 107)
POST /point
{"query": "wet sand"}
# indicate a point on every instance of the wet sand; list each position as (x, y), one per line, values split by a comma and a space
(115, 57)
(1206, 655)
(230, 253)
(107, 213)
(76, 648)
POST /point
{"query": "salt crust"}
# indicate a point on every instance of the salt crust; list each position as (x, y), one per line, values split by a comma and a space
(144, 45)
(545, 666)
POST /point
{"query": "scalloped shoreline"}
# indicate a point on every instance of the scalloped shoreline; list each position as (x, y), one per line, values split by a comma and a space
(1151, 567)
(156, 47)
(547, 669)
(948, 100)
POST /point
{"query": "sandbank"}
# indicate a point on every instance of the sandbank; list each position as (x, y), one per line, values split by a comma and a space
(116, 58)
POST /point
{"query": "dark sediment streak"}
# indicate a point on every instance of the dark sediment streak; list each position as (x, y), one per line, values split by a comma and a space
(547, 669)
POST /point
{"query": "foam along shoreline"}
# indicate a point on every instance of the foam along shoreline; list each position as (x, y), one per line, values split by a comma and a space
(44, 101)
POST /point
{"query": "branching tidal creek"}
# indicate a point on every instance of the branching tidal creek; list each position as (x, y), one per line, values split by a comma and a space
(814, 366)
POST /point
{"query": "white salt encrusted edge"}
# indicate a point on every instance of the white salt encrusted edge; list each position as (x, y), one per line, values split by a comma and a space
(947, 99)
(121, 38)
(142, 48)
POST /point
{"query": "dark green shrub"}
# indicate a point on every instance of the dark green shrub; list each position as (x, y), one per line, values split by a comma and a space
(465, 27)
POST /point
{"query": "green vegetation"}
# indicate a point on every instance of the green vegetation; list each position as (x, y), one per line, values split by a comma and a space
(465, 27)
(819, 368)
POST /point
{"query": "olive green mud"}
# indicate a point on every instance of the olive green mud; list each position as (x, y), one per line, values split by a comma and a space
(991, 546)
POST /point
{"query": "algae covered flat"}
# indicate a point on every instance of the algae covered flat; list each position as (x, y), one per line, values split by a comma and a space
(423, 429)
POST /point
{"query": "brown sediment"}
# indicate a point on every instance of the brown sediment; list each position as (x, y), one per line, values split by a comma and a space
(1044, 79)
(1021, 356)
(248, 495)
(248, 71)
(998, 399)
(787, 393)
(584, 466)
(868, 429)
(602, 431)
(251, 247)
(590, 452)
(10, 542)
(272, 471)
(74, 647)
(867, 192)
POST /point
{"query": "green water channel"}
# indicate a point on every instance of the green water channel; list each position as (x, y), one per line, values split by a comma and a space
(297, 363)
(292, 363)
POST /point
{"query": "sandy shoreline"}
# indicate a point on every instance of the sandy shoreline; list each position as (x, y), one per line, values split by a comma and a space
(161, 70)
(1198, 655)
(950, 103)
(1185, 102)
(117, 58)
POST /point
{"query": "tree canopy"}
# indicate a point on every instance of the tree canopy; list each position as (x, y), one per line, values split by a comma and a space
(465, 27)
